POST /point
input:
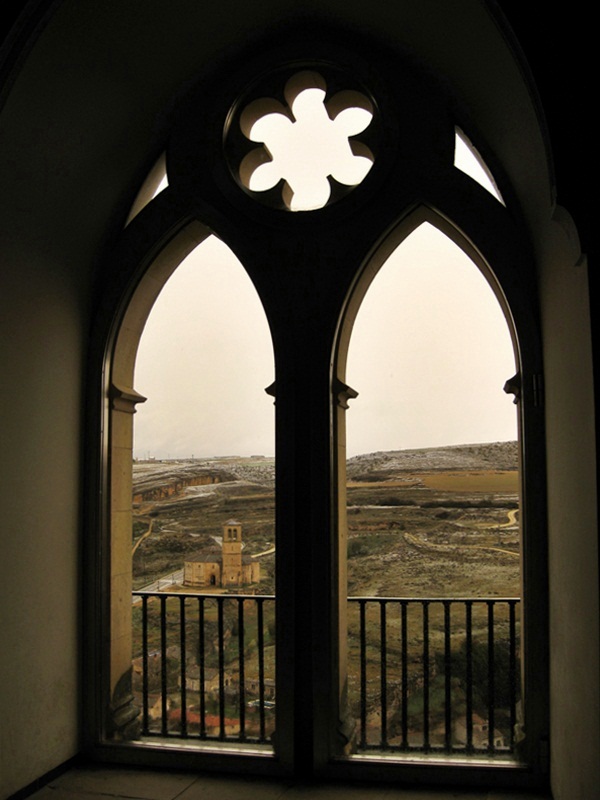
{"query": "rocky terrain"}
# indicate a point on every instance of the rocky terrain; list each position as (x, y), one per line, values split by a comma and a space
(153, 480)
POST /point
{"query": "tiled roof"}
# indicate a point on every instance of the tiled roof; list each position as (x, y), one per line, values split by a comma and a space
(208, 554)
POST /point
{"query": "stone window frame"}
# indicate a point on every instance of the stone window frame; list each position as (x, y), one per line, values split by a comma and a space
(151, 247)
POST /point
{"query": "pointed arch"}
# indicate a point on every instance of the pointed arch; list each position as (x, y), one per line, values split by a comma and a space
(430, 352)
(494, 255)
(413, 220)
(155, 244)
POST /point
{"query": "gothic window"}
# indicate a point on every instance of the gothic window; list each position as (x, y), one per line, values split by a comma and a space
(311, 243)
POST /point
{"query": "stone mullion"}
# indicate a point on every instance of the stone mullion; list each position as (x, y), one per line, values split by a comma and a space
(122, 720)
(344, 734)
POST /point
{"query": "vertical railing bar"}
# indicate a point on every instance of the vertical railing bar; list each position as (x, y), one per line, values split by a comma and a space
(512, 673)
(404, 607)
(182, 661)
(242, 670)
(261, 667)
(221, 638)
(447, 678)
(163, 664)
(491, 677)
(383, 669)
(469, 675)
(425, 606)
(202, 667)
(363, 675)
(145, 664)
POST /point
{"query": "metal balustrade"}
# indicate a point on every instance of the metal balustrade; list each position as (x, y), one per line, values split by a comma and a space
(432, 675)
(425, 675)
(203, 666)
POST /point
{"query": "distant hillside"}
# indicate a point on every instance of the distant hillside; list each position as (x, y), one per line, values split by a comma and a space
(157, 480)
(463, 457)
(161, 479)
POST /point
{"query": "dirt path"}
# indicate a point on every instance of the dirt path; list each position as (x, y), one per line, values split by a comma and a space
(512, 518)
(414, 540)
(142, 537)
(264, 553)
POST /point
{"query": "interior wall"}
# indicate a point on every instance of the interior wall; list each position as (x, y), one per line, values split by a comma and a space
(41, 337)
(47, 246)
(572, 516)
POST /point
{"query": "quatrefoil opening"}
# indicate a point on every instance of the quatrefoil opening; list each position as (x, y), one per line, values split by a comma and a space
(306, 146)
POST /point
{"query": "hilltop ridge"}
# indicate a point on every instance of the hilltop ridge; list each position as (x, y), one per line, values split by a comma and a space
(150, 478)
(387, 464)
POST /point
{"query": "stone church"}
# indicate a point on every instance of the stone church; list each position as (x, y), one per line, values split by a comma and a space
(222, 565)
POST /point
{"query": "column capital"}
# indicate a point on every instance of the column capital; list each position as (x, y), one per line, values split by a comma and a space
(343, 393)
(124, 399)
(513, 386)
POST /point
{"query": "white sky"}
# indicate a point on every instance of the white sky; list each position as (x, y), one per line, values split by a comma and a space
(204, 361)
(429, 354)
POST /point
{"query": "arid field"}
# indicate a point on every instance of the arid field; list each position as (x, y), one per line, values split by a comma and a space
(436, 523)
(446, 518)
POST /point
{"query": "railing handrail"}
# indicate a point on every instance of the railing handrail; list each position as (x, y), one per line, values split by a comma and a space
(206, 595)
(353, 598)
(435, 599)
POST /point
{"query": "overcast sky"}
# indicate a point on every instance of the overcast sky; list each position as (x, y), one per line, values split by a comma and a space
(430, 349)
(429, 355)
(204, 361)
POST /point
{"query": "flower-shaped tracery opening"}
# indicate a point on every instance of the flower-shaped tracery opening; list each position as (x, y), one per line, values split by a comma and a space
(306, 145)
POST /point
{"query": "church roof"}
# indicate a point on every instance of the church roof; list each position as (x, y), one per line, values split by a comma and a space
(210, 554)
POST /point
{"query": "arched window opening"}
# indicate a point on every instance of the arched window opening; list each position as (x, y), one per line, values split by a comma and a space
(204, 626)
(432, 509)
(203, 451)
(468, 159)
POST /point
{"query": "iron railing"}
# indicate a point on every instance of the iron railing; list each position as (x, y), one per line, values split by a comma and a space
(435, 675)
(425, 675)
(203, 665)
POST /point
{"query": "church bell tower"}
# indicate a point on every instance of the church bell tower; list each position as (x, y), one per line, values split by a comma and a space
(231, 574)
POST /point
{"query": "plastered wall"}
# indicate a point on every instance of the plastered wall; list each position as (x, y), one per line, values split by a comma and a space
(40, 394)
(573, 542)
